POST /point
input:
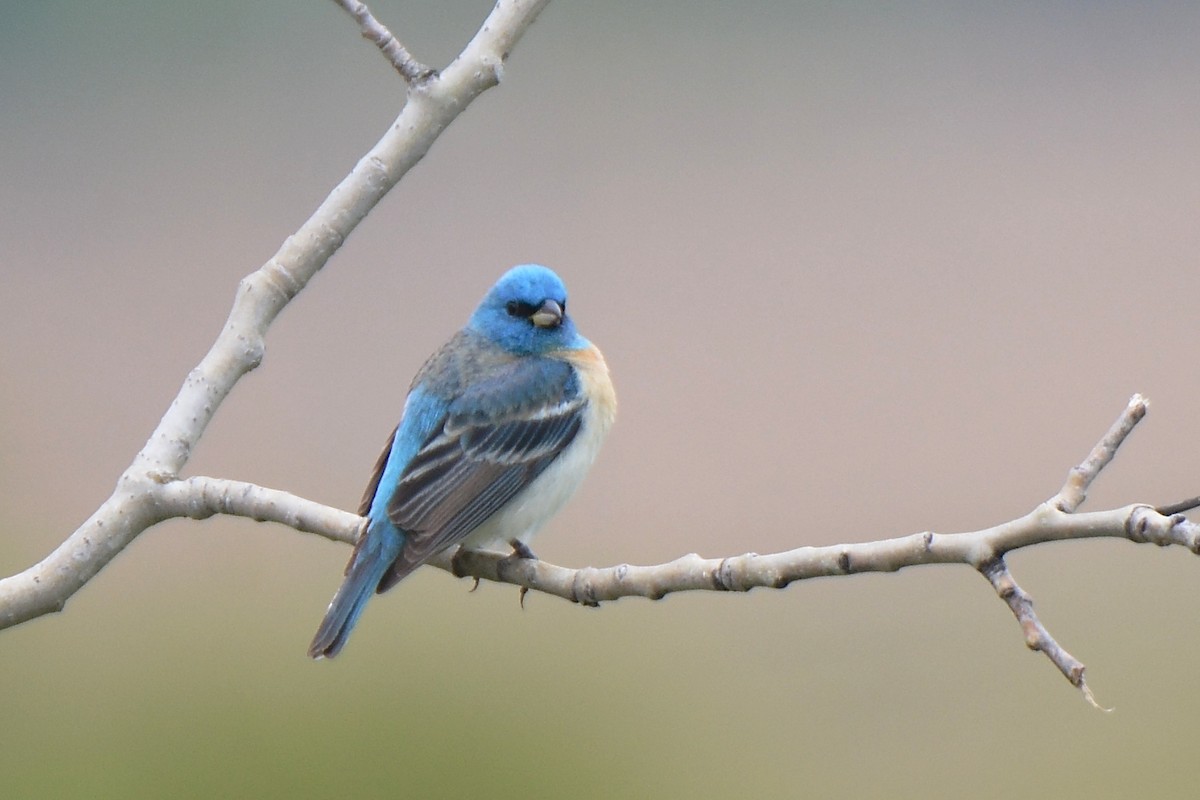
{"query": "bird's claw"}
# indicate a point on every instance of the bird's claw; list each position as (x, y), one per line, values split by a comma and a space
(456, 568)
(521, 551)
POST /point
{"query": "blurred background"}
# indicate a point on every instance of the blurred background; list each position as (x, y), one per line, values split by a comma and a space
(859, 270)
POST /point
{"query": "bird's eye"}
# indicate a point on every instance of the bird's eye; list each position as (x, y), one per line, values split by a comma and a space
(516, 308)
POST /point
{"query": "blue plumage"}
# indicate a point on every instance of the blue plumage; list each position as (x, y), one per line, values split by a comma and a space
(372, 558)
(499, 426)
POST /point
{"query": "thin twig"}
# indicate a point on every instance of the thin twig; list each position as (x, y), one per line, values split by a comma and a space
(1179, 508)
(1080, 478)
(1036, 636)
(410, 69)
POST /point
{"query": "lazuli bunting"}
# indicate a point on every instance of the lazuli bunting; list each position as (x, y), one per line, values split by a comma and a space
(499, 428)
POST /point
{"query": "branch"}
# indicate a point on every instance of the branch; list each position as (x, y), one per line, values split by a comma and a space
(977, 549)
(145, 493)
(983, 550)
(201, 497)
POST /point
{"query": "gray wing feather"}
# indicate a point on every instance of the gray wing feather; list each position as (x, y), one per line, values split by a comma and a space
(474, 463)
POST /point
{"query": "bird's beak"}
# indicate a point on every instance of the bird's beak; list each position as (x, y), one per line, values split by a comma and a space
(549, 315)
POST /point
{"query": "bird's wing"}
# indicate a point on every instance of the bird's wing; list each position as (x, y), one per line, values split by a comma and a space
(498, 435)
(380, 464)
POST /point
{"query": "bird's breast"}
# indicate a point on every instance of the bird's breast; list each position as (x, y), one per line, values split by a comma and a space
(521, 517)
(597, 387)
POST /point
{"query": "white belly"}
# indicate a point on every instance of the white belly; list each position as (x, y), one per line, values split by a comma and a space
(522, 516)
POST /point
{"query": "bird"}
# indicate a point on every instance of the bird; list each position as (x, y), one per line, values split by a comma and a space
(499, 427)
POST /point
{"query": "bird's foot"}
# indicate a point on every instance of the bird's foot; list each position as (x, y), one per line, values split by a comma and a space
(521, 551)
(457, 570)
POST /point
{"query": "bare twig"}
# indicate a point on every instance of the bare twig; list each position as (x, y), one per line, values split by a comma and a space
(1071, 496)
(1180, 507)
(592, 586)
(982, 550)
(202, 497)
(1036, 635)
(372, 29)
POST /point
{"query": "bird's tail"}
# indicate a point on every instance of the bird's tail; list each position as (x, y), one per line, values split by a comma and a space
(372, 557)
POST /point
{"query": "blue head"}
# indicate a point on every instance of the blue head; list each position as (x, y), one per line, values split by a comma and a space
(526, 313)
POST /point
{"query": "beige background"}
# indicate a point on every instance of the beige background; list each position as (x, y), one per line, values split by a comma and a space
(859, 270)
